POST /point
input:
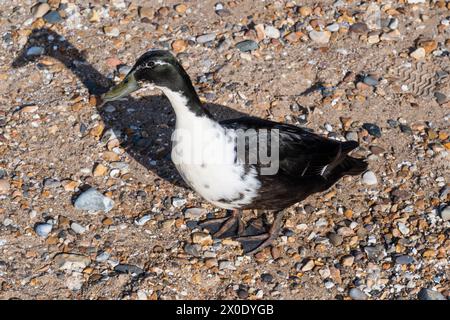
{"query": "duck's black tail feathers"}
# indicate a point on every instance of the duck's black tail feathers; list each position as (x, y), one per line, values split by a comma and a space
(350, 167)
(343, 164)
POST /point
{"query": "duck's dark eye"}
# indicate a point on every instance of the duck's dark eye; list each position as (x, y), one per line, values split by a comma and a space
(150, 64)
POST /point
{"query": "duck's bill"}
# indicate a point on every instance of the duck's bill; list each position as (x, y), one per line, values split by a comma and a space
(124, 88)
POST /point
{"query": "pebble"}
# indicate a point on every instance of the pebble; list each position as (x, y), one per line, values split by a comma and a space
(321, 37)
(226, 265)
(272, 32)
(359, 27)
(393, 24)
(77, 228)
(40, 10)
(100, 170)
(135, 271)
(391, 36)
(71, 261)
(247, 45)
(52, 17)
(111, 31)
(371, 81)
(392, 123)
(194, 213)
(266, 277)
(428, 294)
(52, 183)
(242, 294)
(335, 239)
(146, 12)
(192, 249)
(369, 178)
(418, 54)
(143, 220)
(102, 257)
(43, 229)
(202, 238)
(351, 136)
(35, 51)
(375, 253)
(403, 228)
(179, 46)
(178, 202)
(373, 39)
(4, 186)
(206, 38)
(92, 200)
(357, 294)
(405, 129)
(441, 98)
(181, 8)
(404, 259)
(372, 129)
(309, 265)
(348, 260)
(445, 213)
(305, 11)
(334, 27)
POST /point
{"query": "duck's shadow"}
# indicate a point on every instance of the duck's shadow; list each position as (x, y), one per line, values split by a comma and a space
(143, 126)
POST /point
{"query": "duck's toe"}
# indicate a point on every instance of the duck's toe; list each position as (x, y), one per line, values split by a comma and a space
(230, 226)
(255, 238)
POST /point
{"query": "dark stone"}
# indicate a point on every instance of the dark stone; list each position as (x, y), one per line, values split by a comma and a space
(53, 17)
(375, 253)
(405, 129)
(335, 239)
(401, 194)
(440, 97)
(192, 224)
(404, 259)
(371, 81)
(309, 209)
(392, 123)
(247, 45)
(242, 294)
(373, 129)
(359, 27)
(192, 249)
(51, 183)
(129, 268)
(266, 277)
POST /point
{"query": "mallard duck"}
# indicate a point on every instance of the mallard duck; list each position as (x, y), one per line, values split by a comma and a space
(208, 154)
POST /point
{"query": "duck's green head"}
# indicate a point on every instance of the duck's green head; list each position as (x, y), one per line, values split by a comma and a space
(156, 68)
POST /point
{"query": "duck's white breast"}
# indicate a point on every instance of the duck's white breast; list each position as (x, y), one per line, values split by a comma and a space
(205, 155)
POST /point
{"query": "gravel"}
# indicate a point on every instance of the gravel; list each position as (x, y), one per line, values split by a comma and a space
(43, 229)
(92, 200)
(369, 178)
(388, 239)
(357, 294)
(247, 45)
(206, 38)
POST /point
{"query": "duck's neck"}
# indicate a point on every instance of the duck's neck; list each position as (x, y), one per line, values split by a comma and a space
(185, 102)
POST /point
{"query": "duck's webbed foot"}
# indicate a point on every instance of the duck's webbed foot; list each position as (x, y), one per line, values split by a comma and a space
(255, 238)
(230, 226)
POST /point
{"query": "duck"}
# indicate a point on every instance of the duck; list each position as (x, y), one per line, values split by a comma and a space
(228, 162)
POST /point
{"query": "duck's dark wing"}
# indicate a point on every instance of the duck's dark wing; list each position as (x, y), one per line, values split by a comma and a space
(301, 152)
